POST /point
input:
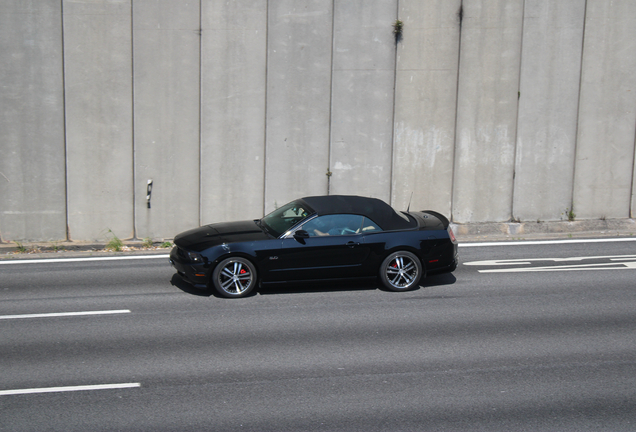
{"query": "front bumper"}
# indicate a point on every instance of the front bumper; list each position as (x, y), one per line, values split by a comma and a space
(195, 274)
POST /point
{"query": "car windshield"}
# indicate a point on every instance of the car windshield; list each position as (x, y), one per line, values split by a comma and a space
(285, 217)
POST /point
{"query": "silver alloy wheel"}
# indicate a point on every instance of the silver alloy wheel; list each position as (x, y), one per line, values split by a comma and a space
(401, 271)
(234, 277)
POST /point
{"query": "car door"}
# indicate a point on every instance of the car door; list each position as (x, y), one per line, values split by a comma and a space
(332, 248)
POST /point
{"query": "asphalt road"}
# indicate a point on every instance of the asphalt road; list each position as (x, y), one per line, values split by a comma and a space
(511, 341)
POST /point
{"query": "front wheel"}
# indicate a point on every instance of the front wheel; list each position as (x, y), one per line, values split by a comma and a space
(234, 277)
(401, 271)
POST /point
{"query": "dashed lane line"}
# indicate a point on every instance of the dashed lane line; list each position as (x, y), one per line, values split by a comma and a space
(64, 314)
(62, 260)
(68, 389)
(546, 242)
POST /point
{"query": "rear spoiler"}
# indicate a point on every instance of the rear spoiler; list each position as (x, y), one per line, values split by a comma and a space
(439, 216)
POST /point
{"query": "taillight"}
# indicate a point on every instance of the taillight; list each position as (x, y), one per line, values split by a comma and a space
(451, 235)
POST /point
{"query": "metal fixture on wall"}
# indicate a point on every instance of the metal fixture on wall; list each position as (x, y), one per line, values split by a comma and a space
(149, 192)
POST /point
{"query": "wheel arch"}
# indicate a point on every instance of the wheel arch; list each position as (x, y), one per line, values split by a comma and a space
(415, 251)
(214, 263)
(224, 276)
(395, 277)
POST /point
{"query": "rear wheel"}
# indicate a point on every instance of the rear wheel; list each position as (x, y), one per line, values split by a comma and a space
(234, 277)
(401, 271)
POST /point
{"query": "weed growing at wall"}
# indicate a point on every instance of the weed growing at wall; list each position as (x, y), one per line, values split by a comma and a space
(115, 244)
(398, 27)
(57, 248)
(570, 214)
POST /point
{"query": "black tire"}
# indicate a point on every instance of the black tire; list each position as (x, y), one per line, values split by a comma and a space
(401, 271)
(234, 277)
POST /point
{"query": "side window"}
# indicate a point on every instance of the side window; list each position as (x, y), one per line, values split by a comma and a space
(341, 224)
(369, 226)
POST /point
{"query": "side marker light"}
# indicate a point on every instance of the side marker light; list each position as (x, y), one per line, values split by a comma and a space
(452, 236)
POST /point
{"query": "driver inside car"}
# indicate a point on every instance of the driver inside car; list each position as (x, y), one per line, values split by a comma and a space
(332, 225)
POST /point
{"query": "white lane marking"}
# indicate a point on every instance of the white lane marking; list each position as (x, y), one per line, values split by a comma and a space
(545, 242)
(556, 260)
(65, 314)
(59, 260)
(605, 266)
(69, 389)
(619, 262)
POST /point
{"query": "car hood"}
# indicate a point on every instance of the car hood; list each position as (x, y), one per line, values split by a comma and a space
(199, 239)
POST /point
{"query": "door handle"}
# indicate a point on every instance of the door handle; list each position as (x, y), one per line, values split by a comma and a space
(352, 244)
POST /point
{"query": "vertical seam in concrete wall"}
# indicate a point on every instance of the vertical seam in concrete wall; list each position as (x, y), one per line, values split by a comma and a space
(333, 48)
(132, 122)
(514, 166)
(578, 109)
(266, 104)
(395, 66)
(200, 109)
(68, 234)
(460, 15)
(631, 191)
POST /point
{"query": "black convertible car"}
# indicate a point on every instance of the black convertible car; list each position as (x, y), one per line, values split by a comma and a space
(317, 238)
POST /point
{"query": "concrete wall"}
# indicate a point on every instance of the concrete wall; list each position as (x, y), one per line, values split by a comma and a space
(363, 76)
(32, 165)
(233, 77)
(604, 167)
(299, 63)
(425, 104)
(548, 108)
(488, 93)
(485, 110)
(99, 118)
(166, 75)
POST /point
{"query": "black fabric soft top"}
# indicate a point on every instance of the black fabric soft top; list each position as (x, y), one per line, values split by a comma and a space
(377, 210)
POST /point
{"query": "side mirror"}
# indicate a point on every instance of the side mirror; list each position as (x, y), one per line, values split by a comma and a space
(301, 235)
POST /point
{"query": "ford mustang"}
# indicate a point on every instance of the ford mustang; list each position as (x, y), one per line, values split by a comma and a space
(317, 238)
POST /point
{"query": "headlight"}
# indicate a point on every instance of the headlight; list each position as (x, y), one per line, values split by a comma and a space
(195, 257)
